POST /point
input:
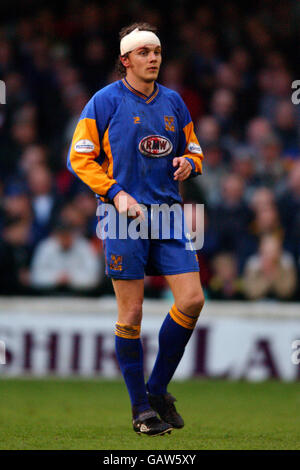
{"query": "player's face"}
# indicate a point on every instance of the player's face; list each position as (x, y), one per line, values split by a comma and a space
(144, 62)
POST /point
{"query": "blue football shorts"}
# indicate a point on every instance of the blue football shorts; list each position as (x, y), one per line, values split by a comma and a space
(154, 255)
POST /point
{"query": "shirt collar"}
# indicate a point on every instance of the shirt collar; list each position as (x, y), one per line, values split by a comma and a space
(146, 98)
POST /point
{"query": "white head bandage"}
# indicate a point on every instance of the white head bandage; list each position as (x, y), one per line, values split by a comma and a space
(137, 39)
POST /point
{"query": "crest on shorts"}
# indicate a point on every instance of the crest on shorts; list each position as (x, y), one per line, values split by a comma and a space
(116, 262)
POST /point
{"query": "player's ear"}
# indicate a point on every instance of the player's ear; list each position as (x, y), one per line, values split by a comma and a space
(125, 60)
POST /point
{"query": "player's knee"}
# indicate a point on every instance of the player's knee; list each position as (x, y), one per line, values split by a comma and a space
(198, 302)
(132, 314)
(194, 303)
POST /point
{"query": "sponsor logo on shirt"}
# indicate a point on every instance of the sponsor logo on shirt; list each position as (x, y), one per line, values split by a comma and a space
(194, 148)
(84, 146)
(155, 146)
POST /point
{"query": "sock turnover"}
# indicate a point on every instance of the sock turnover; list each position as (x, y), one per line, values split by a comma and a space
(129, 353)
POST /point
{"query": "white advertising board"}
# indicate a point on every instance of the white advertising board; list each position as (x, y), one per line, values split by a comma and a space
(233, 344)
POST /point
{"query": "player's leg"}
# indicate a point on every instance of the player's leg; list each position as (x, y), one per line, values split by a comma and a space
(174, 334)
(129, 295)
(187, 291)
(125, 260)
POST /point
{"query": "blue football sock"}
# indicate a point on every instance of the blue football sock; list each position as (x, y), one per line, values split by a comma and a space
(172, 341)
(129, 353)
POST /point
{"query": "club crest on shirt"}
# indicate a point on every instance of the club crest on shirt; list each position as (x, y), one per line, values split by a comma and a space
(155, 146)
(169, 123)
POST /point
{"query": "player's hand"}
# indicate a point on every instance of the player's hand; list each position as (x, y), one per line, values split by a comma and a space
(125, 203)
(184, 168)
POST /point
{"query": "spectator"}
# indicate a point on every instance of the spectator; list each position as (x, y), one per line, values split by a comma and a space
(16, 203)
(278, 89)
(287, 128)
(44, 200)
(23, 133)
(208, 130)
(243, 165)
(15, 257)
(65, 261)
(271, 272)
(33, 156)
(223, 107)
(256, 130)
(261, 198)
(86, 203)
(266, 221)
(231, 216)
(71, 213)
(289, 204)
(225, 283)
(215, 170)
(270, 169)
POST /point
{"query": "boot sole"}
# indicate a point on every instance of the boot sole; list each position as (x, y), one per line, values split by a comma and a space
(166, 431)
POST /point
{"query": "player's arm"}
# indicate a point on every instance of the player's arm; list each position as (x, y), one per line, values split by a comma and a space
(85, 148)
(189, 163)
(193, 152)
(93, 126)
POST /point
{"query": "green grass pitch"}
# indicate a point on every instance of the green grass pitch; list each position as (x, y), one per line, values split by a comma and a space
(95, 414)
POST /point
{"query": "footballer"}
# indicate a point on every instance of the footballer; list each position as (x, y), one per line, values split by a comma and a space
(133, 144)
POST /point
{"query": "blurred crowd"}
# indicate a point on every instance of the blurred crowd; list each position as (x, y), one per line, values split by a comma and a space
(233, 65)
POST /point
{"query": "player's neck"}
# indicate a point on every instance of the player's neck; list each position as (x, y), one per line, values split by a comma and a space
(146, 88)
